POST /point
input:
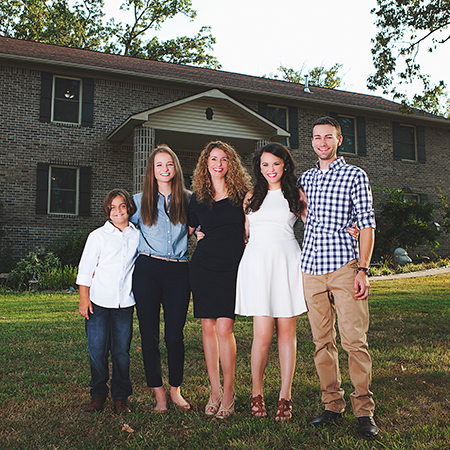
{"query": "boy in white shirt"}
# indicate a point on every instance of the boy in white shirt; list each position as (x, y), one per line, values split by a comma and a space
(107, 301)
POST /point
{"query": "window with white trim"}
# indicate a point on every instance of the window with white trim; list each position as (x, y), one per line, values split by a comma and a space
(66, 105)
(408, 142)
(407, 198)
(63, 190)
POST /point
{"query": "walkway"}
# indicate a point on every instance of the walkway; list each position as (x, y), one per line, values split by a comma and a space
(422, 273)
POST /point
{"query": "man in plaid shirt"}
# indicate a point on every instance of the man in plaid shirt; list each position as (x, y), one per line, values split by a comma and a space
(335, 277)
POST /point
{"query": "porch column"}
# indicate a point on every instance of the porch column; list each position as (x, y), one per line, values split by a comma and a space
(260, 143)
(143, 144)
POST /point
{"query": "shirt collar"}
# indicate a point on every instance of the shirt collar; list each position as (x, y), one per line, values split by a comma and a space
(110, 228)
(335, 165)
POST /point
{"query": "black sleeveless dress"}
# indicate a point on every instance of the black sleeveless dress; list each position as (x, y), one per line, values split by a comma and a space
(214, 265)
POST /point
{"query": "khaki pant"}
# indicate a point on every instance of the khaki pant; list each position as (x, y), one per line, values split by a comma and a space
(325, 296)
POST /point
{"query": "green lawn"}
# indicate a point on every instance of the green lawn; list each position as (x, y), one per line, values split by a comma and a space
(44, 375)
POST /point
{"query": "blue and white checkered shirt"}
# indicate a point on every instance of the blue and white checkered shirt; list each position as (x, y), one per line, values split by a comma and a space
(337, 199)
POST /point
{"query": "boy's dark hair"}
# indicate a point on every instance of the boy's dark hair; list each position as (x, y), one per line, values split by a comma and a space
(111, 195)
(329, 121)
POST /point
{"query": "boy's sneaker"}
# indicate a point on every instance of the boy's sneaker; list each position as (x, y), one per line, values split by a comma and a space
(96, 404)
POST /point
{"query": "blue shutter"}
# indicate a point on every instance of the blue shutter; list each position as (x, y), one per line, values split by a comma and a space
(421, 143)
(397, 143)
(42, 188)
(293, 126)
(361, 130)
(87, 111)
(46, 97)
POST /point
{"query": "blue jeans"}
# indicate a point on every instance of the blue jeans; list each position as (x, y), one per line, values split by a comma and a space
(110, 330)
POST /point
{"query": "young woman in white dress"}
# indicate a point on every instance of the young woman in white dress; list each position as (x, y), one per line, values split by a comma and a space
(269, 285)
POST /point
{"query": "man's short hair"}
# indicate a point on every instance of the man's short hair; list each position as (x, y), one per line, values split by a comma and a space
(329, 121)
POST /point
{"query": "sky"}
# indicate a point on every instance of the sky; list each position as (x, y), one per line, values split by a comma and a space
(255, 37)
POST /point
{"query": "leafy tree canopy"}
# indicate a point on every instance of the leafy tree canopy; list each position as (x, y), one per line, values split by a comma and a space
(82, 26)
(404, 28)
(318, 76)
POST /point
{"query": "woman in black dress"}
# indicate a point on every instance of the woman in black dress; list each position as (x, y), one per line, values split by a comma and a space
(220, 183)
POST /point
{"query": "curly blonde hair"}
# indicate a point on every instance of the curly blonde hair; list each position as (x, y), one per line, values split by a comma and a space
(237, 179)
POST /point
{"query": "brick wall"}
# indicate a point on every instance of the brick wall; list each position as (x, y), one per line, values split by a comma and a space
(25, 141)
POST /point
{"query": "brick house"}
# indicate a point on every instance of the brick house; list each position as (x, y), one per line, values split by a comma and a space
(77, 123)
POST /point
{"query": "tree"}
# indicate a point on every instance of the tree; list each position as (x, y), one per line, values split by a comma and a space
(405, 27)
(82, 26)
(318, 76)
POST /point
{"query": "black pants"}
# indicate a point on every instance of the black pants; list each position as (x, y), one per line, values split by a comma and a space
(156, 283)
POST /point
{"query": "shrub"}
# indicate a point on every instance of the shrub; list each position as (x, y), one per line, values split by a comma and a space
(58, 278)
(6, 259)
(31, 267)
(69, 247)
(406, 224)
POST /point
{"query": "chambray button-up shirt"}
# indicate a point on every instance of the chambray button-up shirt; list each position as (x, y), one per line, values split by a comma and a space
(163, 238)
(337, 199)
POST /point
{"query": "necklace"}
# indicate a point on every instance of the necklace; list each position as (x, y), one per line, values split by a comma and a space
(221, 198)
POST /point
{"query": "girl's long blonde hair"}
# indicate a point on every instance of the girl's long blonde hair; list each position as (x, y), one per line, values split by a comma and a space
(237, 179)
(178, 209)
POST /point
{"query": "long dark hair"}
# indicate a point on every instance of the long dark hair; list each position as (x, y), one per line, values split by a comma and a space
(179, 201)
(288, 180)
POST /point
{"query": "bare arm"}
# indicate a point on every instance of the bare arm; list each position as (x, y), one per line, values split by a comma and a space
(366, 242)
(191, 230)
(305, 201)
(85, 305)
(245, 203)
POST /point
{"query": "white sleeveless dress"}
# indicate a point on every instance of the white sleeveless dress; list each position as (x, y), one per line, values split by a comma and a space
(269, 281)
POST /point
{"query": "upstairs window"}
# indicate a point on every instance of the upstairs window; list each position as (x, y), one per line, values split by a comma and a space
(66, 100)
(279, 116)
(409, 142)
(349, 142)
(354, 134)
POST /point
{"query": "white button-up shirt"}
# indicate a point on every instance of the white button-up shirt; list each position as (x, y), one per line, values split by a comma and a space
(107, 265)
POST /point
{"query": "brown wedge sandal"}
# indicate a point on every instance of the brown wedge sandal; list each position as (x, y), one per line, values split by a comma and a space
(284, 411)
(258, 406)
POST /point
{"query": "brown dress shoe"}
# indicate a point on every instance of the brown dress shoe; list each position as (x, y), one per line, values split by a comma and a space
(96, 404)
(122, 406)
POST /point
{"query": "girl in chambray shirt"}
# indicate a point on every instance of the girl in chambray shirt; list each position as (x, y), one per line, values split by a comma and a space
(161, 275)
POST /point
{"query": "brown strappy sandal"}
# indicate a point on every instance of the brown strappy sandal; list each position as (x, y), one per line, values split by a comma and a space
(284, 411)
(258, 406)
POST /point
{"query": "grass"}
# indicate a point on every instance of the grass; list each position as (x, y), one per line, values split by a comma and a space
(44, 376)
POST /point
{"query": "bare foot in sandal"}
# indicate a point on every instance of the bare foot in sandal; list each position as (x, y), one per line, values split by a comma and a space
(284, 411)
(258, 406)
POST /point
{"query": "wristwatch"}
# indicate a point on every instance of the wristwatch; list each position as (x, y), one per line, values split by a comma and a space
(363, 269)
